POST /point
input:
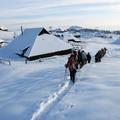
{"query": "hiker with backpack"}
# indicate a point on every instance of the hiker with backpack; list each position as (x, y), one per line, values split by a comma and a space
(71, 64)
(79, 58)
(84, 58)
(100, 54)
(88, 57)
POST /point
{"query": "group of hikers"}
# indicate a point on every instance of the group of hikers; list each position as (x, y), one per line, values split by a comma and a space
(100, 54)
(79, 58)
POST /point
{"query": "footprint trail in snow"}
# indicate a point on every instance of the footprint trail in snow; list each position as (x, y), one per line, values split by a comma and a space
(47, 105)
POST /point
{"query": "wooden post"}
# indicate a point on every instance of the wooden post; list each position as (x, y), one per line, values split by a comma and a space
(26, 61)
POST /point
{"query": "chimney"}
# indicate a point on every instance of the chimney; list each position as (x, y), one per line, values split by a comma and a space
(21, 30)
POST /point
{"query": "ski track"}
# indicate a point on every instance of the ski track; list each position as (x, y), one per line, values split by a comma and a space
(52, 100)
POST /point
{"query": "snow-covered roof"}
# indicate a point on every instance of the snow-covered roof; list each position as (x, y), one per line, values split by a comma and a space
(47, 44)
(25, 40)
(1, 40)
(2, 27)
(68, 36)
(35, 43)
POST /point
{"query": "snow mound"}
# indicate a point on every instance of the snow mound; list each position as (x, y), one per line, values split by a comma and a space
(117, 41)
(6, 35)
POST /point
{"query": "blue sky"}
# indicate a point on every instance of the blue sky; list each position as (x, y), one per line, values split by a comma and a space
(87, 13)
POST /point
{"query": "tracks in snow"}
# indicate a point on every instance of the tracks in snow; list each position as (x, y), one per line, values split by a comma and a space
(47, 105)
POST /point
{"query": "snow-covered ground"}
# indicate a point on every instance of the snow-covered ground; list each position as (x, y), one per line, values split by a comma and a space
(5, 35)
(41, 91)
(95, 96)
(24, 86)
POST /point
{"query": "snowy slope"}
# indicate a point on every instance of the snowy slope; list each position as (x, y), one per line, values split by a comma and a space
(23, 87)
(40, 91)
(95, 96)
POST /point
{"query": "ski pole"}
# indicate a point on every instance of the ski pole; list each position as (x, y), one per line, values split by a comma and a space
(65, 75)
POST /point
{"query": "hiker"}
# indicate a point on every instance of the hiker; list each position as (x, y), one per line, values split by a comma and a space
(75, 54)
(71, 64)
(88, 57)
(104, 51)
(98, 56)
(79, 58)
(84, 58)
